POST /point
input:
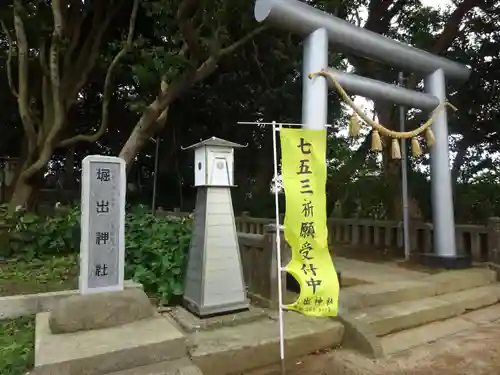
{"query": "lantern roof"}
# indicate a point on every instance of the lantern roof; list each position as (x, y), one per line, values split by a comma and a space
(216, 142)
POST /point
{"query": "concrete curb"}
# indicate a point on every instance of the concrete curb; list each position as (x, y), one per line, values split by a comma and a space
(30, 304)
(234, 350)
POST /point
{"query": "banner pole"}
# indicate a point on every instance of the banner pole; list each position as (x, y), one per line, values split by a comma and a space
(278, 249)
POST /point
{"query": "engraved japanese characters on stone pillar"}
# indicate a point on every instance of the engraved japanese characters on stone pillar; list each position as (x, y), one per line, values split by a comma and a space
(102, 248)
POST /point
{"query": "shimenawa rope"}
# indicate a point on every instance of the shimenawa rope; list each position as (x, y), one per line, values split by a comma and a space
(378, 129)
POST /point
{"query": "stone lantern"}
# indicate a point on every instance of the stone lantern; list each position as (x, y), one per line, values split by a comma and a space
(214, 278)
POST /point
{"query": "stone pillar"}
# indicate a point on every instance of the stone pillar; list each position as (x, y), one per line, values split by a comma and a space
(102, 249)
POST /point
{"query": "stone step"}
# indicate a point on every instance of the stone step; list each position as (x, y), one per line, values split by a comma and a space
(104, 351)
(249, 346)
(386, 319)
(411, 338)
(182, 366)
(363, 296)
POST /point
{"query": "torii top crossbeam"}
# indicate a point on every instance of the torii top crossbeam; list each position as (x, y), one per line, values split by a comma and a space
(303, 19)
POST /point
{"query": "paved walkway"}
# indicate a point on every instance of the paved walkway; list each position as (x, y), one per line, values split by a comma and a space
(375, 272)
(475, 351)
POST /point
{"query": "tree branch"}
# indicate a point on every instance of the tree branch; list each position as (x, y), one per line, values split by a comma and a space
(233, 47)
(75, 34)
(43, 58)
(379, 21)
(189, 33)
(448, 34)
(75, 79)
(452, 27)
(55, 75)
(204, 70)
(9, 59)
(58, 103)
(108, 88)
(23, 76)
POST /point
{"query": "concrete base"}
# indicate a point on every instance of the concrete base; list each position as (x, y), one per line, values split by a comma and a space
(100, 311)
(30, 304)
(437, 261)
(182, 366)
(233, 350)
(107, 350)
(210, 311)
(192, 323)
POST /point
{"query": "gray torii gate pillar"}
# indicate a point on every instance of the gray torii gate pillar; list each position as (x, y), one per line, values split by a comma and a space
(320, 29)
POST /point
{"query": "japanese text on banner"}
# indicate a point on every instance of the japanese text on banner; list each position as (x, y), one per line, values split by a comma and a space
(304, 179)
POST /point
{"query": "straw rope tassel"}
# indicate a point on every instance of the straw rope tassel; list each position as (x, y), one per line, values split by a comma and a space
(354, 126)
(429, 135)
(376, 141)
(395, 149)
(416, 150)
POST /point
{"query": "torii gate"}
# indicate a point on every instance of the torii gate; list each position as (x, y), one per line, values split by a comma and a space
(319, 29)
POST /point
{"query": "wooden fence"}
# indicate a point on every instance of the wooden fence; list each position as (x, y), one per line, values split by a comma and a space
(257, 238)
(480, 242)
(477, 241)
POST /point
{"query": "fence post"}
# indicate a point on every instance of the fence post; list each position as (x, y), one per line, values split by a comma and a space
(245, 215)
(493, 227)
(271, 249)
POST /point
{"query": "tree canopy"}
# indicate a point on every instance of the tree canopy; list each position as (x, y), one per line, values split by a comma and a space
(108, 76)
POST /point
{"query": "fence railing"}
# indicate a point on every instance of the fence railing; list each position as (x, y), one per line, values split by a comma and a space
(478, 241)
(257, 239)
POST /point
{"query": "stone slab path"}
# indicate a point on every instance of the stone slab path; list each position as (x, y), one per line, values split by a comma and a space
(375, 272)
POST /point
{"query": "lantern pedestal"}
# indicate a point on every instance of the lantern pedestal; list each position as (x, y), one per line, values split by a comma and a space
(214, 277)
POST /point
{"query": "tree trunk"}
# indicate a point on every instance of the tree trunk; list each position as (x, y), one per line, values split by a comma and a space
(21, 195)
(21, 191)
(143, 130)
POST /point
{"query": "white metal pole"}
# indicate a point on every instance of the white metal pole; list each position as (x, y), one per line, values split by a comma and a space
(442, 196)
(404, 178)
(155, 177)
(315, 91)
(278, 249)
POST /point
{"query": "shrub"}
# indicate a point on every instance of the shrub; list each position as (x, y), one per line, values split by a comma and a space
(156, 252)
(27, 236)
(156, 248)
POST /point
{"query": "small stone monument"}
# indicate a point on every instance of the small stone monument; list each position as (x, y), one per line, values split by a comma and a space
(109, 325)
(102, 302)
(214, 278)
(102, 251)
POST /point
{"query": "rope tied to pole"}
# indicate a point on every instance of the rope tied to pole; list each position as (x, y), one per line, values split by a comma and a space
(379, 129)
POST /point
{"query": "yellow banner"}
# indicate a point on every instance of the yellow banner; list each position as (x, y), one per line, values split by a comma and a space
(303, 168)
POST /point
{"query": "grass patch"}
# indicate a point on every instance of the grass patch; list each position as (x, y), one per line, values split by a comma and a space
(39, 276)
(17, 340)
